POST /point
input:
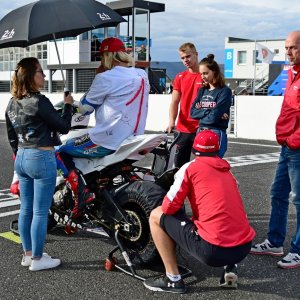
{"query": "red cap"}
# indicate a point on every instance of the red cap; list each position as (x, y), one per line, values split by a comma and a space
(205, 142)
(112, 44)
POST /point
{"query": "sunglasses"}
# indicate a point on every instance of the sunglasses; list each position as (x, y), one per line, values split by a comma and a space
(40, 71)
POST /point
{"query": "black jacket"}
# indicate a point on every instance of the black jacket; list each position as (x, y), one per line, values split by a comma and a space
(33, 122)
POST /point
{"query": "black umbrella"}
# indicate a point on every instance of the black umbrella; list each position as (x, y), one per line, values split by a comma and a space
(51, 19)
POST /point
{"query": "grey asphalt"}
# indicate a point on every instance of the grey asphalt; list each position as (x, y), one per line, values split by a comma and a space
(82, 275)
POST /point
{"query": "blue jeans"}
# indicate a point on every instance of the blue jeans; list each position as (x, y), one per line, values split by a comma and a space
(222, 141)
(285, 188)
(37, 177)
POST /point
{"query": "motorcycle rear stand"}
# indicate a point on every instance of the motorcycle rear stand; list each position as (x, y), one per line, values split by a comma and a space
(111, 262)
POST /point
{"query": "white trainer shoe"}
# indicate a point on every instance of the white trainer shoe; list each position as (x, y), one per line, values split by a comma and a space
(290, 261)
(26, 261)
(229, 277)
(266, 248)
(45, 262)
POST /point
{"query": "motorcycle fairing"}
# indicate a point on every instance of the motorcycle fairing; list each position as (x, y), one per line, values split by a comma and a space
(134, 148)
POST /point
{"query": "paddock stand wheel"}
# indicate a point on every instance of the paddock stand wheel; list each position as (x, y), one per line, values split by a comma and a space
(110, 263)
(70, 229)
(74, 229)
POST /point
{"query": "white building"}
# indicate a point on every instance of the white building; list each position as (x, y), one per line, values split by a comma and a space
(242, 68)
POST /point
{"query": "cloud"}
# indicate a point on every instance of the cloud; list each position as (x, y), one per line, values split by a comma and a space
(207, 24)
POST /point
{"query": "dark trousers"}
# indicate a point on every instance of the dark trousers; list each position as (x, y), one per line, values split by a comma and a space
(183, 231)
(183, 148)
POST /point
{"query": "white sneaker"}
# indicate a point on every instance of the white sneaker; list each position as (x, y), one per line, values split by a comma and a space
(290, 261)
(266, 248)
(26, 261)
(229, 277)
(45, 262)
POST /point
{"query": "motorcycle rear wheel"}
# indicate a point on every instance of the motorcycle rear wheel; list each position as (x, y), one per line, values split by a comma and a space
(138, 200)
(61, 195)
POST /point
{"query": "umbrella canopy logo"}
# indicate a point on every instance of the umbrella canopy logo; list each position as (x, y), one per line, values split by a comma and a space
(104, 16)
(8, 34)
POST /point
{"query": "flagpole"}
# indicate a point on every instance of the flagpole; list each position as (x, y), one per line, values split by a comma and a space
(254, 77)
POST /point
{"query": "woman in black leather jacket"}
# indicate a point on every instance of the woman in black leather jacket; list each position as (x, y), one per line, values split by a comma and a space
(32, 127)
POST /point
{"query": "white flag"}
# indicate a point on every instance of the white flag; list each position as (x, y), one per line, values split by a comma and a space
(265, 55)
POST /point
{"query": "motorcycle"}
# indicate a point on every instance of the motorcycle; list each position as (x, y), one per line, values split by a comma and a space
(125, 194)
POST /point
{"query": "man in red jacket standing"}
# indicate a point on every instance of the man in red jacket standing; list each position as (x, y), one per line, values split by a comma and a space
(218, 234)
(286, 185)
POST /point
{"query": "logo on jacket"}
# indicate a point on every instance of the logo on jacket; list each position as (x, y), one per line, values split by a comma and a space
(295, 88)
(208, 104)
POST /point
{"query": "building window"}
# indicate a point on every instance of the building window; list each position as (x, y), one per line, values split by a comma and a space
(70, 38)
(97, 37)
(242, 55)
(85, 36)
(11, 56)
(255, 59)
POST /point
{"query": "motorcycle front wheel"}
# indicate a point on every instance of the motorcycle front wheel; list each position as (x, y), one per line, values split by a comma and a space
(138, 200)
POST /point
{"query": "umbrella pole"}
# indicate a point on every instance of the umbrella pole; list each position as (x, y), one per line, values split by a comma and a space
(59, 61)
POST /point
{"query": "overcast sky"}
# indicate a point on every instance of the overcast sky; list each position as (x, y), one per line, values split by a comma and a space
(208, 23)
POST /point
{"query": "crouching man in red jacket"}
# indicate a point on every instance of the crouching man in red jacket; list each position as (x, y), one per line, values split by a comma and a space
(219, 234)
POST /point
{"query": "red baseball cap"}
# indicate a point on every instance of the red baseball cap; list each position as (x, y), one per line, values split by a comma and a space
(206, 143)
(112, 44)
